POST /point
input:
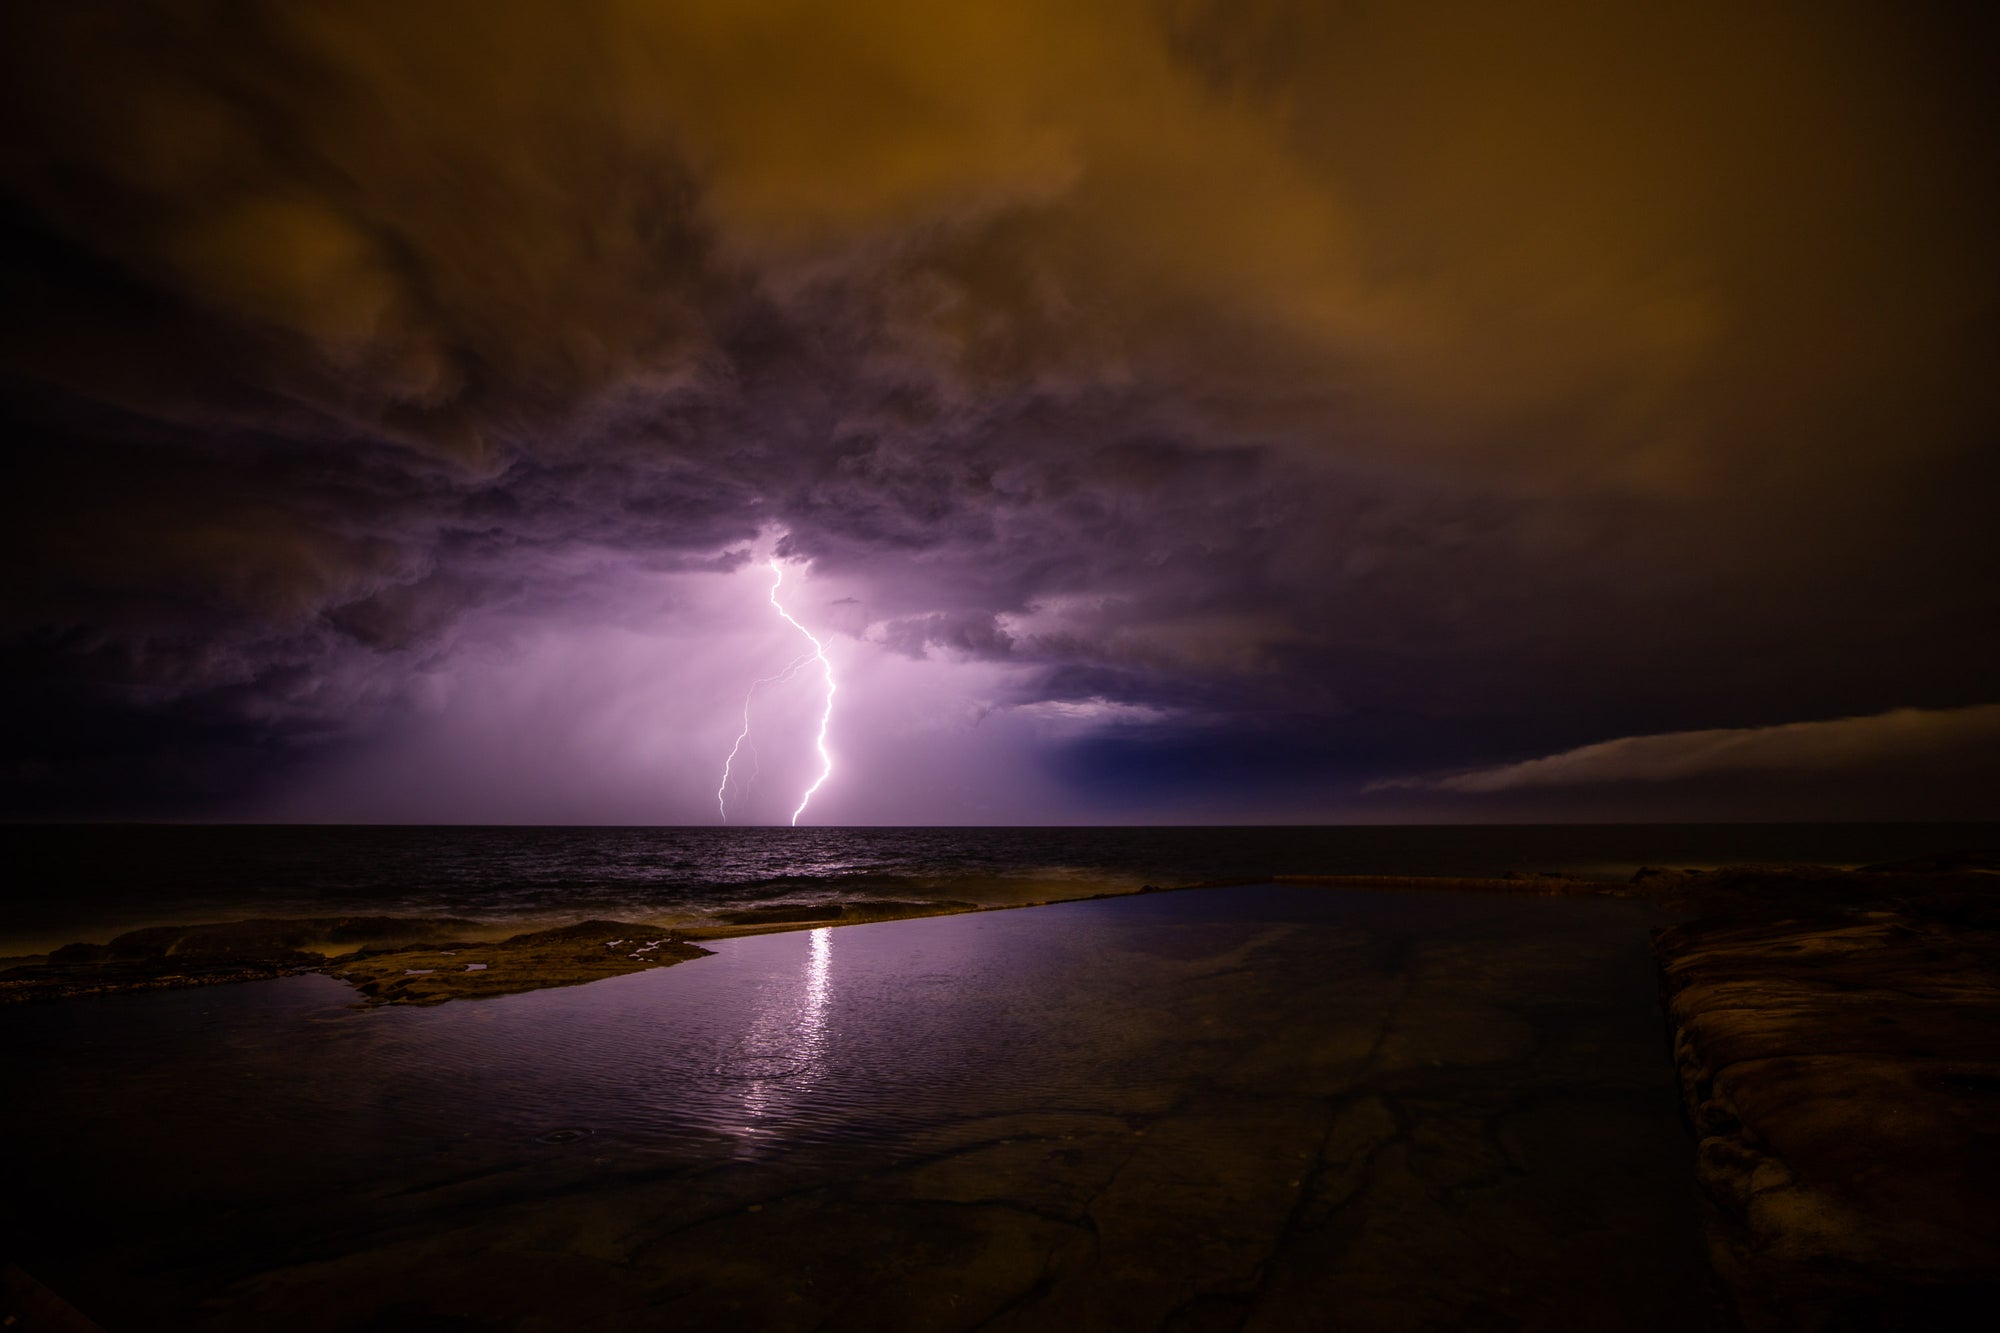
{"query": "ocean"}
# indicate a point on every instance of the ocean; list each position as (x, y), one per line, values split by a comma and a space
(91, 881)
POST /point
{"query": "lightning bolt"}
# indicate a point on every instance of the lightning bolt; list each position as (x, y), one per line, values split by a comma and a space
(722, 792)
(826, 714)
(818, 654)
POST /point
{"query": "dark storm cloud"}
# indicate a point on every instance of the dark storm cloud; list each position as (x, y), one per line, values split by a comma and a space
(1400, 390)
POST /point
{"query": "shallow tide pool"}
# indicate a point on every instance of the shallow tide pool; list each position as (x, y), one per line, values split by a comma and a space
(1257, 1107)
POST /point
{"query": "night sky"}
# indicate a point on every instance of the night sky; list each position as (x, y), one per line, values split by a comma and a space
(1209, 410)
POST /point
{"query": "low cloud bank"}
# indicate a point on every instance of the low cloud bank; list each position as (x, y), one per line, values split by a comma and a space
(1844, 743)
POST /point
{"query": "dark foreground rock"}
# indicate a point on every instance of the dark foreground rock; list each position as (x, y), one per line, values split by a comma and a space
(1837, 1037)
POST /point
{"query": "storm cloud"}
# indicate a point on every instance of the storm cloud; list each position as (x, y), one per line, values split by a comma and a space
(1181, 408)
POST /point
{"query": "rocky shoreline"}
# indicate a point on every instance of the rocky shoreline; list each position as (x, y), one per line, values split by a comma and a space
(407, 960)
(172, 957)
(1837, 1040)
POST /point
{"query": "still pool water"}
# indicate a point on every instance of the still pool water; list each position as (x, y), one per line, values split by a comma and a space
(1257, 1107)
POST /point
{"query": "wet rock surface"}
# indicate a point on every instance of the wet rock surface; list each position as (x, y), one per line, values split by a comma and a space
(1837, 1038)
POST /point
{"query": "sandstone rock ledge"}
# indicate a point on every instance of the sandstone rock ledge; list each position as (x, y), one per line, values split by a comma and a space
(564, 956)
(389, 960)
(411, 960)
(175, 957)
(1837, 1036)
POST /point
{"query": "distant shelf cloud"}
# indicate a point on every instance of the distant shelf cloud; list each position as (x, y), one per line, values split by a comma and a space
(1845, 743)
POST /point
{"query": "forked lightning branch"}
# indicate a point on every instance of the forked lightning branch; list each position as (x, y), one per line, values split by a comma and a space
(816, 654)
